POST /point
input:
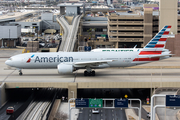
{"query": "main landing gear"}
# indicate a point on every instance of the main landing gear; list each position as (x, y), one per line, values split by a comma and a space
(90, 73)
(20, 72)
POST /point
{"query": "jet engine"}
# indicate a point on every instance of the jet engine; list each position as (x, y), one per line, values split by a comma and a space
(65, 69)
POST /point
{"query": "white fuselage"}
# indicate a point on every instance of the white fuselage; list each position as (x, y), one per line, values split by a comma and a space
(51, 60)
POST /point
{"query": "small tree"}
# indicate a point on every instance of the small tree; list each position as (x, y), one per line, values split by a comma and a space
(61, 116)
(90, 33)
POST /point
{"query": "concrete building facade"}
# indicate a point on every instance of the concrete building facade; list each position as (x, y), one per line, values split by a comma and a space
(49, 21)
(30, 24)
(136, 28)
(71, 8)
(168, 8)
(124, 29)
(131, 29)
(10, 35)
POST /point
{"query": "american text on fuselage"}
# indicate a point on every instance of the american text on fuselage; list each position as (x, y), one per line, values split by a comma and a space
(53, 59)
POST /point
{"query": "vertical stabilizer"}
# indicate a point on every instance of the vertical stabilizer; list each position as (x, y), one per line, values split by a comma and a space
(157, 43)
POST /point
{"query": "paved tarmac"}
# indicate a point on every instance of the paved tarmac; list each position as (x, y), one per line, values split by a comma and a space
(7, 52)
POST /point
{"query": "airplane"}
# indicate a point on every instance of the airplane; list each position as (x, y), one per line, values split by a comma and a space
(68, 62)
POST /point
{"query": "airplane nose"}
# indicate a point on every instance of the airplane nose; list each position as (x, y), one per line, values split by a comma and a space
(8, 62)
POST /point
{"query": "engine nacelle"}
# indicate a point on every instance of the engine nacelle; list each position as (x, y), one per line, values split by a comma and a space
(65, 69)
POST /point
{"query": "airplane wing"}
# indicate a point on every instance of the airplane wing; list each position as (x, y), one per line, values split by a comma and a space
(88, 63)
(154, 56)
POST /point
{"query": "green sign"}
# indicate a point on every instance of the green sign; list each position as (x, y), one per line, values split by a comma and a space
(103, 35)
(95, 103)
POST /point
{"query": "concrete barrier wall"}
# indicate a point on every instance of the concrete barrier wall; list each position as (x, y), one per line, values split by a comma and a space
(88, 85)
(2, 94)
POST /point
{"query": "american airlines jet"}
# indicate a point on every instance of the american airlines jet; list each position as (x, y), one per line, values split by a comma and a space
(68, 62)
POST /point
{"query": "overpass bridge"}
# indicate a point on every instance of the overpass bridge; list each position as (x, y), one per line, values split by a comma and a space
(165, 73)
(86, 9)
(69, 32)
(38, 8)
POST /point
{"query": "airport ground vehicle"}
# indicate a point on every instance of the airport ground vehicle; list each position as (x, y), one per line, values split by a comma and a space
(10, 110)
(95, 111)
(148, 115)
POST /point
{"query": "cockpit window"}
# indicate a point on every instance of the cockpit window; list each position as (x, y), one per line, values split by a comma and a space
(10, 59)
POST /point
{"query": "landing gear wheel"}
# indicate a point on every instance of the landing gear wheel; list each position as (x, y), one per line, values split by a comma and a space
(85, 73)
(88, 73)
(93, 73)
(20, 73)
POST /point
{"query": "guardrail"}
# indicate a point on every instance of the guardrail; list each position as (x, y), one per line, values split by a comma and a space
(158, 90)
(53, 100)
(59, 40)
(62, 23)
(75, 33)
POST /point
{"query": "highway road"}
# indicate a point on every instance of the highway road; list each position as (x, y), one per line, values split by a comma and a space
(16, 99)
(64, 36)
(143, 111)
(70, 32)
(104, 114)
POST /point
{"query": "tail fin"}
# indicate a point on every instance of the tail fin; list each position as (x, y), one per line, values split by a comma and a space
(157, 43)
(159, 39)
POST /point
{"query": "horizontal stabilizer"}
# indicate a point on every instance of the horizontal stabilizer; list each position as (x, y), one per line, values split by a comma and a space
(155, 56)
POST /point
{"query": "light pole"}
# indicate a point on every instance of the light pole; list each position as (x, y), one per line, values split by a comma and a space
(9, 38)
(73, 93)
(151, 84)
(32, 45)
(161, 76)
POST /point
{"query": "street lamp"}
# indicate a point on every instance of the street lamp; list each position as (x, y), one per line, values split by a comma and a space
(161, 76)
(9, 38)
(32, 45)
(73, 93)
(151, 83)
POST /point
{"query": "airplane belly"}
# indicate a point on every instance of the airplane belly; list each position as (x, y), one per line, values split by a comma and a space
(120, 63)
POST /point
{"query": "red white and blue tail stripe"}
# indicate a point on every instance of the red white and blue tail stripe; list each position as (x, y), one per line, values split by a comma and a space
(156, 44)
(154, 50)
(159, 39)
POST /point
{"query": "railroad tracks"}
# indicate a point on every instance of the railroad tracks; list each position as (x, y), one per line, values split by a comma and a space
(38, 109)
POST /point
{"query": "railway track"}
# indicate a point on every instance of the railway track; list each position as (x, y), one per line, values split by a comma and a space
(39, 106)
